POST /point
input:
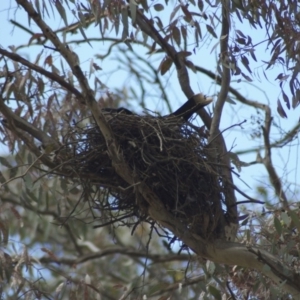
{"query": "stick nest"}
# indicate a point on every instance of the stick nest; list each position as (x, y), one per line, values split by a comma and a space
(166, 153)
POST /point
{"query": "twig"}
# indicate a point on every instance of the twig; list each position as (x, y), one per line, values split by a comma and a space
(42, 71)
(221, 132)
(24, 174)
(274, 178)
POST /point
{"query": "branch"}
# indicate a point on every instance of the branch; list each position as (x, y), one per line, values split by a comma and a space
(14, 121)
(255, 258)
(216, 140)
(274, 178)
(42, 71)
(116, 250)
(10, 198)
(179, 285)
(224, 59)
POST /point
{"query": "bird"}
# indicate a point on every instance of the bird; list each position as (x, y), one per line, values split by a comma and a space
(191, 106)
(119, 110)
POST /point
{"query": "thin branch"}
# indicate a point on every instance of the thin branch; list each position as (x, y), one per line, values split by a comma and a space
(216, 140)
(9, 198)
(225, 61)
(155, 258)
(179, 285)
(42, 71)
(274, 178)
(24, 174)
(14, 121)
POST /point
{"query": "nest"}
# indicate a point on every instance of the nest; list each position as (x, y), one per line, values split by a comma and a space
(166, 153)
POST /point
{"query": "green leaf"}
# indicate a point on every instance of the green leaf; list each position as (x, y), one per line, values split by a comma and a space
(278, 225)
(215, 292)
(28, 181)
(124, 15)
(211, 267)
(61, 11)
(4, 229)
(4, 162)
(132, 6)
(295, 219)
(13, 172)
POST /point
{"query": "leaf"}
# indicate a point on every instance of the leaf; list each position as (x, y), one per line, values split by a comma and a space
(4, 162)
(277, 225)
(48, 60)
(184, 54)
(41, 86)
(211, 31)
(84, 35)
(286, 100)
(176, 35)
(229, 100)
(211, 267)
(132, 5)
(173, 13)
(240, 34)
(124, 19)
(235, 160)
(215, 292)
(296, 99)
(61, 11)
(280, 110)
(28, 181)
(241, 41)
(198, 29)
(96, 67)
(245, 62)
(246, 77)
(13, 172)
(4, 229)
(295, 218)
(285, 218)
(245, 222)
(191, 66)
(165, 65)
(144, 5)
(184, 35)
(36, 36)
(158, 7)
(252, 54)
(200, 5)
(188, 16)
(55, 70)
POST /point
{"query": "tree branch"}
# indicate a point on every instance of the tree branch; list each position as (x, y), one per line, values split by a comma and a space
(42, 71)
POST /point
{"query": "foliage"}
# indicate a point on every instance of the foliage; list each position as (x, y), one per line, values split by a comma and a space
(98, 205)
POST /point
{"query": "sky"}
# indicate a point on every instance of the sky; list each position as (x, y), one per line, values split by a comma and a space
(267, 91)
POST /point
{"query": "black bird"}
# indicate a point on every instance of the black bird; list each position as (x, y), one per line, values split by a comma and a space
(117, 110)
(191, 106)
(185, 111)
